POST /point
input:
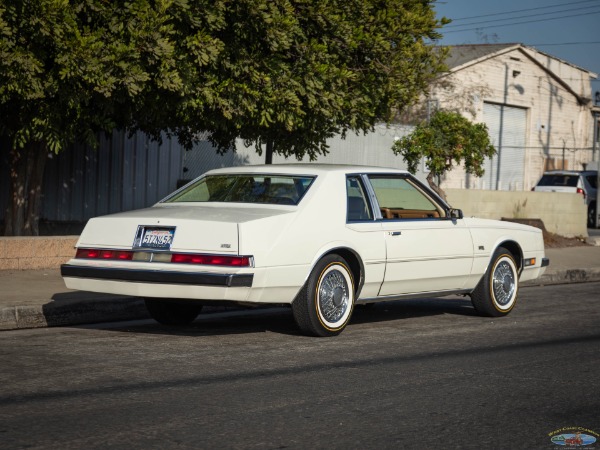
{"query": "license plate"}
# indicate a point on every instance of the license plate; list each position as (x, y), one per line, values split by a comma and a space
(155, 237)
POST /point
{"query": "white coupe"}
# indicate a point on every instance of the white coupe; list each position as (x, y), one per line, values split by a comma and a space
(321, 238)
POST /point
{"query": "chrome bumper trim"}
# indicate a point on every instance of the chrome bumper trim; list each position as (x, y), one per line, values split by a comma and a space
(157, 276)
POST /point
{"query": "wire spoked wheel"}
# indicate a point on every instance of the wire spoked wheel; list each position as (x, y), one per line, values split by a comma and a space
(324, 305)
(496, 293)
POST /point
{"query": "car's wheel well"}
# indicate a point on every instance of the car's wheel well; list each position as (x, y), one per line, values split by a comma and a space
(355, 263)
(516, 251)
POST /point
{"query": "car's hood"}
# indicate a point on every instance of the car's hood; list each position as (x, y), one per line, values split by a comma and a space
(196, 227)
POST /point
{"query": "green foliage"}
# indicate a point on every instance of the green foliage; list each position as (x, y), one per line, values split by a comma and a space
(71, 69)
(297, 72)
(292, 72)
(447, 139)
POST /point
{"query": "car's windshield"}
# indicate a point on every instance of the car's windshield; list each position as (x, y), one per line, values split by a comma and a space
(245, 188)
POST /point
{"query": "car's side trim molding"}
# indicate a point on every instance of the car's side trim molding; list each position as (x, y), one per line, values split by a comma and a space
(157, 276)
(390, 298)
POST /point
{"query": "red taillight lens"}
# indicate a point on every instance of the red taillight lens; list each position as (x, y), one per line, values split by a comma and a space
(581, 191)
(181, 258)
(211, 260)
(89, 253)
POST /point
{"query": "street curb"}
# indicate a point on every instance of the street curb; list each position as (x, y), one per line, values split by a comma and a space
(74, 312)
(566, 277)
(121, 308)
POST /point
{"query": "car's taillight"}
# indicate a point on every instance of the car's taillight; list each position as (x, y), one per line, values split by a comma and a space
(581, 191)
(92, 253)
(165, 257)
(211, 260)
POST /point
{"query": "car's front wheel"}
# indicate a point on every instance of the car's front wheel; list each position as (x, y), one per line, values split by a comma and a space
(169, 312)
(324, 305)
(496, 293)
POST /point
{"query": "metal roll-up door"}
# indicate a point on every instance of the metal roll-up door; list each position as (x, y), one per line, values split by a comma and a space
(507, 126)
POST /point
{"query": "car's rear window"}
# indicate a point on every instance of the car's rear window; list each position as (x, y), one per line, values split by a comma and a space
(559, 180)
(245, 188)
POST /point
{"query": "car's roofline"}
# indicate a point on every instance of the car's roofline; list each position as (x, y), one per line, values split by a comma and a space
(306, 169)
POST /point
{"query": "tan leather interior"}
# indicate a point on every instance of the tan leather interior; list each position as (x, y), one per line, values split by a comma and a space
(391, 213)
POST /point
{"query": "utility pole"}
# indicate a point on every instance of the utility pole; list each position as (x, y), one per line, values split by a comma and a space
(594, 157)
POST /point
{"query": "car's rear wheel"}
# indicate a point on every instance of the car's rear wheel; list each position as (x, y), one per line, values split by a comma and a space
(496, 293)
(324, 305)
(169, 312)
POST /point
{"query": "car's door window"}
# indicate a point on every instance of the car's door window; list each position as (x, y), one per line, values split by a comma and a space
(399, 198)
(358, 207)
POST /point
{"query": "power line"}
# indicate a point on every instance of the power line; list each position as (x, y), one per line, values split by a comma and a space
(521, 23)
(525, 16)
(523, 10)
(564, 43)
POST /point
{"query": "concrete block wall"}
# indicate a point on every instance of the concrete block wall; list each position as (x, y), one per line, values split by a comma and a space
(37, 252)
(563, 214)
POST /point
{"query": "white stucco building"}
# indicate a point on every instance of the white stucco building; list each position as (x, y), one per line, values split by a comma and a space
(538, 109)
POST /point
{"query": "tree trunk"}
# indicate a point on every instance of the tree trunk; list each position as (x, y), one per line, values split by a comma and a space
(438, 190)
(269, 152)
(26, 174)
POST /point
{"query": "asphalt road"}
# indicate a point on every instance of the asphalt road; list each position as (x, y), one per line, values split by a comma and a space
(427, 374)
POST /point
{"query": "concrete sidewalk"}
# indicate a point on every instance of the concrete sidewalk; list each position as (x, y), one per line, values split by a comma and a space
(39, 298)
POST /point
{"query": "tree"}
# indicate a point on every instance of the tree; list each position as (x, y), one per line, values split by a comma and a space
(447, 139)
(69, 70)
(297, 72)
(280, 74)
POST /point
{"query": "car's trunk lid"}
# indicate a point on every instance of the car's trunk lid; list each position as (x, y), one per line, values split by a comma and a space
(178, 228)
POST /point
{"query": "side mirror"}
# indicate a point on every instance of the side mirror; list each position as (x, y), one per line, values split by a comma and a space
(456, 213)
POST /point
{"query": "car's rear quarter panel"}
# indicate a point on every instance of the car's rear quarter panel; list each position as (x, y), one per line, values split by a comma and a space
(285, 249)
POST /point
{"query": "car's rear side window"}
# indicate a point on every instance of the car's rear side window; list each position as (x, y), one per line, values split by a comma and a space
(246, 188)
(593, 180)
(357, 205)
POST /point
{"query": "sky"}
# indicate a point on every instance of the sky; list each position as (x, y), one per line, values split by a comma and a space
(569, 30)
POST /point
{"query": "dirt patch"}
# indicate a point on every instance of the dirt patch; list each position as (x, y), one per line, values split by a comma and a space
(551, 240)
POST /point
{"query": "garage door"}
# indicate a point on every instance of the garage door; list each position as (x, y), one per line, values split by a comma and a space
(507, 126)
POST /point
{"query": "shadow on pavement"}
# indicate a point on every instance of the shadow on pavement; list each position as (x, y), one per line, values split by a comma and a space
(280, 320)
(72, 308)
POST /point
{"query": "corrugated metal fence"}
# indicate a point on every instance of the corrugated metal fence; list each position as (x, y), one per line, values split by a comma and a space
(127, 173)
(122, 174)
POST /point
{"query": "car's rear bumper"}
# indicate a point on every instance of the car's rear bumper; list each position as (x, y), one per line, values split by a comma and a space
(156, 276)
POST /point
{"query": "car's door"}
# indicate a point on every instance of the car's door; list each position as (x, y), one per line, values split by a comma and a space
(426, 251)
